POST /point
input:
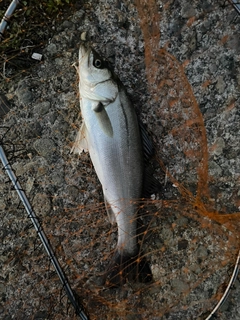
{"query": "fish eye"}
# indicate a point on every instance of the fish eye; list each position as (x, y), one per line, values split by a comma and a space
(98, 63)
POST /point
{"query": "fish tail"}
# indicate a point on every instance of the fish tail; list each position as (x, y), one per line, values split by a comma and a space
(125, 267)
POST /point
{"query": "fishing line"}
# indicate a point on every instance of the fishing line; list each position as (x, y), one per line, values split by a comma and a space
(37, 225)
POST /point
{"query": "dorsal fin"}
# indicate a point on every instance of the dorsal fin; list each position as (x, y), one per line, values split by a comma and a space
(150, 184)
(148, 149)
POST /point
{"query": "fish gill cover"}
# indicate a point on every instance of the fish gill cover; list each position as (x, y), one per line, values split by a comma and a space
(180, 65)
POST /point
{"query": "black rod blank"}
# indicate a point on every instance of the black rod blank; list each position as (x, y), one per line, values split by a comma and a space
(78, 308)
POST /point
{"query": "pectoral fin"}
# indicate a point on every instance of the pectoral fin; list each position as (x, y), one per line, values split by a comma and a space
(80, 143)
(103, 119)
(110, 213)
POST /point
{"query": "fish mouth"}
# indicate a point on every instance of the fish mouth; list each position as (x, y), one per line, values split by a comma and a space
(83, 51)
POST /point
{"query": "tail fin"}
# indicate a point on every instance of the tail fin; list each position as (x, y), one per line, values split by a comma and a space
(125, 267)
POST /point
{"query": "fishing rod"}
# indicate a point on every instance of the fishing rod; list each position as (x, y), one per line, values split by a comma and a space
(235, 4)
(31, 214)
(7, 16)
(227, 291)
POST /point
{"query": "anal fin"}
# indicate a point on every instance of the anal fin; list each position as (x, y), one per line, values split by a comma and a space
(110, 213)
(80, 143)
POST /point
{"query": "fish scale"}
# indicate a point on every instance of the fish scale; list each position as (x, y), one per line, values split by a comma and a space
(110, 132)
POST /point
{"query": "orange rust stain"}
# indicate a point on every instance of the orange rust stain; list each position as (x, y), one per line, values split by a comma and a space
(161, 67)
(166, 5)
(213, 148)
(224, 39)
(167, 44)
(231, 106)
(149, 21)
(161, 84)
(206, 83)
(185, 63)
(218, 295)
(185, 270)
(190, 21)
(230, 221)
(190, 153)
(192, 122)
(237, 203)
(169, 82)
(224, 262)
(172, 102)
(195, 123)
(179, 72)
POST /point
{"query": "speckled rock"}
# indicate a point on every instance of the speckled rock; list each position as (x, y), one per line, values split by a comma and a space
(42, 204)
(24, 94)
(45, 147)
(191, 254)
(42, 108)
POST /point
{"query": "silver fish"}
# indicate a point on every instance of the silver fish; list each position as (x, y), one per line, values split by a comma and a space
(110, 133)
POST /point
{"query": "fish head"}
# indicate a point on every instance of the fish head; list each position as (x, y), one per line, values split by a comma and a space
(96, 79)
(92, 67)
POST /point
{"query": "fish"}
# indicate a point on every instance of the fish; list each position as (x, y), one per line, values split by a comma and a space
(110, 132)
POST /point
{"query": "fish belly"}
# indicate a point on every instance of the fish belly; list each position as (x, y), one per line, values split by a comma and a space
(117, 160)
